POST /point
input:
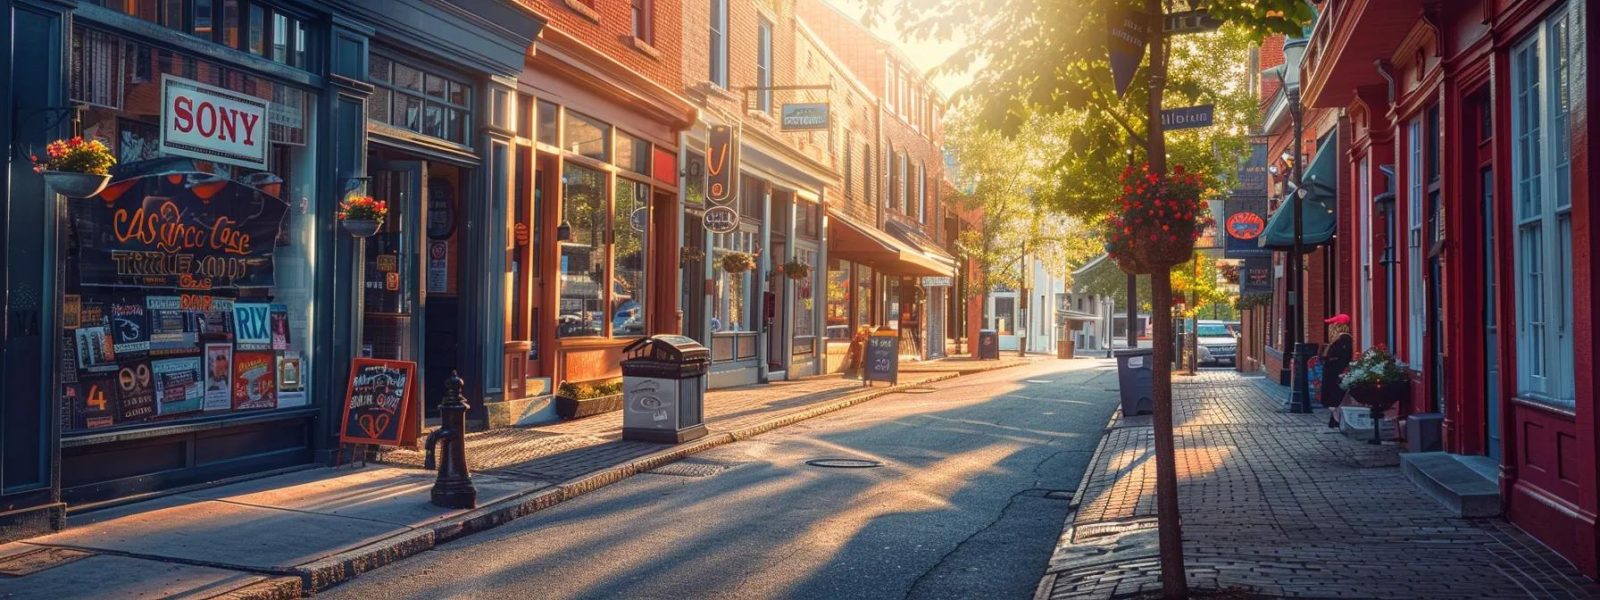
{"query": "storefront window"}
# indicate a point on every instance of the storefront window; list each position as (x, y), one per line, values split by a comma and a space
(1005, 315)
(805, 306)
(729, 313)
(630, 234)
(891, 302)
(199, 18)
(694, 188)
(838, 300)
(548, 128)
(162, 324)
(586, 136)
(583, 252)
(863, 296)
(633, 154)
(413, 97)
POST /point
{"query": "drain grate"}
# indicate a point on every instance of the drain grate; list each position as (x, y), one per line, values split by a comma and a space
(844, 463)
(1096, 530)
(28, 563)
(686, 469)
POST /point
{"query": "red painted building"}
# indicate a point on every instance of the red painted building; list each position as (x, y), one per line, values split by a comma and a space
(1480, 110)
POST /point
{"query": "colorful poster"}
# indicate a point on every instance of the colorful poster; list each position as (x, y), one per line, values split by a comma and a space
(278, 318)
(216, 317)
(71, 308)
(255, 382)
(219, 377)
(96, 353)
(90, 403)
(291, 380)
(136, 392)
(171, 326)
(130, 328)
(252, 325)
(178, 385)
(91, 314)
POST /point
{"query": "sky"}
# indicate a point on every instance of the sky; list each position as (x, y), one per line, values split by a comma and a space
(926, 54)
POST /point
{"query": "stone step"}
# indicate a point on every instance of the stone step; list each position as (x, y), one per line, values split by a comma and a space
(1466, 485)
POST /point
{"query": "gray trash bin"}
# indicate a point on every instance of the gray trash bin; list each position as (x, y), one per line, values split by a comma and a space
(1136, 380)
(663, 389)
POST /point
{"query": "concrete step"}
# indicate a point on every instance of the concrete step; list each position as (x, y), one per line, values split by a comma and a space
(1467, 485)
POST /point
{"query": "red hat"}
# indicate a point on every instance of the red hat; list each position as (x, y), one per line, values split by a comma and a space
(1339, 319)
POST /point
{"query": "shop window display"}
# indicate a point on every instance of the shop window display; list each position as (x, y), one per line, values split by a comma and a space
(583, 259)
(189, 282)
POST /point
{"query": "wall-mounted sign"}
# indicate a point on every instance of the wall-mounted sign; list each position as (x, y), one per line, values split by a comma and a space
(1245, 225)
(721, 219)
(1187, 117)
(213, 124)
(1129, 34)
(936, 282)
(158, 231)
(805, 116)
(1255, 277)
(1245, 221)
(722, 166)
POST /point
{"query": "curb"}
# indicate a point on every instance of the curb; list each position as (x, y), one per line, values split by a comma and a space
(318, 576)
(1048, 582)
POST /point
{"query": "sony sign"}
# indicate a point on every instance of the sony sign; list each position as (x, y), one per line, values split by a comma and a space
(213, 124)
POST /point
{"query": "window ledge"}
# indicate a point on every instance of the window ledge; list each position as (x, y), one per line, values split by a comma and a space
(721, 92)
(759, 115)
(644, 48)
(579, 7)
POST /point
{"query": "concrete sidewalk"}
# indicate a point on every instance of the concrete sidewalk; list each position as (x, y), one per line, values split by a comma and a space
(292, 534)
(1278, 505)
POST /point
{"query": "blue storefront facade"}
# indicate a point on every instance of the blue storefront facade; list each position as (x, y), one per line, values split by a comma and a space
(129, 364)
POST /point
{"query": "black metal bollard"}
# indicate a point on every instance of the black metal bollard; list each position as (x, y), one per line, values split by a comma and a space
(453, 488)
(1300, 393)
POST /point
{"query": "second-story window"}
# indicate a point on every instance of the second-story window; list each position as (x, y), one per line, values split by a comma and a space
(719, 43)
(848, 167)
(764, 67)
(644, 16)
(413, 96)
(922, 192)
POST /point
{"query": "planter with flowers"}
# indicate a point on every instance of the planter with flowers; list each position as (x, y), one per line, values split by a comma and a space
(75, 167)
(1377, 381)
(796, 270)
(737, 262)
(1159, 221)
(362, 216)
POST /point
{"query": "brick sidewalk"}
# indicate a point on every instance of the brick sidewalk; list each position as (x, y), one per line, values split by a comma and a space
(1283, 506)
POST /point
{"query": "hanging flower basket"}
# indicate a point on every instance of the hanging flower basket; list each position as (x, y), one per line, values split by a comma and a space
(691, 255)
(796, 270)
(362, 228)
(1159, 221)
(74, 167)
(75, 185)
(737, 262)
(362, 216)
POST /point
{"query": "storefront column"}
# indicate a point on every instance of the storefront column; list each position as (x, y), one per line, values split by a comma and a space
(763, 270)
(483, 353)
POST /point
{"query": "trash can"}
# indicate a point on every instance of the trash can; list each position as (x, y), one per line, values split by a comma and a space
(988, 344)
(1064, 348)
(664, 389)
(1136, 380)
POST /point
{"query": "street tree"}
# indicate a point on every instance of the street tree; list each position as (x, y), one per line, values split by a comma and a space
(1051, 57)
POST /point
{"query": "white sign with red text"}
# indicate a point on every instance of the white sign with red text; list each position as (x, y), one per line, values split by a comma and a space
(211, 123)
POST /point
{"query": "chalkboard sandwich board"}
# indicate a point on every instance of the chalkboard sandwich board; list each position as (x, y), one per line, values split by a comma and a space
(883, 357)
(381, 401)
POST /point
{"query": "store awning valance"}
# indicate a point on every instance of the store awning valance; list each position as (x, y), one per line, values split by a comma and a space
(1316, 208)
(857, 242)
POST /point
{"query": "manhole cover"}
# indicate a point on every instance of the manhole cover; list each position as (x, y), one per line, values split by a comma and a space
(918, 390)
(844, 463)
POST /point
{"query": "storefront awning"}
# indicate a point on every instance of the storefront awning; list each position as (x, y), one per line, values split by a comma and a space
(852, 240)
(1073, 316)
(1316, 208)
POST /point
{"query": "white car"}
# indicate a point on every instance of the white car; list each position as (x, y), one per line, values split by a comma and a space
(1216, 342)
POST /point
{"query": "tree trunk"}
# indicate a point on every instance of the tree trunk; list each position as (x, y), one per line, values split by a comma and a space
(1174, 583)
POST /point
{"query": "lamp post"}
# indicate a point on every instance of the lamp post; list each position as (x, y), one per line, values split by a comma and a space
(1300, 396)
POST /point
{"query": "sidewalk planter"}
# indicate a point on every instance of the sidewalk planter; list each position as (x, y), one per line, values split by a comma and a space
(75, 185)
(579, 400)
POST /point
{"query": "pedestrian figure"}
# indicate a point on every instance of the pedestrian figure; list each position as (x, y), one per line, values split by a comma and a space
(1335, 359)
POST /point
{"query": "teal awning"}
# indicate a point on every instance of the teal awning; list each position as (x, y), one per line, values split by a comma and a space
(1316, 208)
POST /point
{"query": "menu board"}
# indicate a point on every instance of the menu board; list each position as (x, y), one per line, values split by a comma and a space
(883, 357)
(381, 400)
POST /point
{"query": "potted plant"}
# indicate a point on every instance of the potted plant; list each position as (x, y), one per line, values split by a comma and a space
(74, 167)
(737, 262)
(575, 400)
(1160, 219)
(362, 215)
(1377, 381)
(796, 270)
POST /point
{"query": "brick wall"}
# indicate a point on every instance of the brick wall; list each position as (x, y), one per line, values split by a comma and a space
(608, 28)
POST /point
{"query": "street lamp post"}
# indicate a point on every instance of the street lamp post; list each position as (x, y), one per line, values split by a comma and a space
(1300, 395)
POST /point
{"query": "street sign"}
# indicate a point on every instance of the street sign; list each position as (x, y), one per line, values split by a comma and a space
(1129, 33)
(807, 116)
(1188, 117)
(721, 219)
(1193, 21)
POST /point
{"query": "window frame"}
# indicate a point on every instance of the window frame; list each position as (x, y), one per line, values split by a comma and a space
(719, 44)
(764, 66)
(643, 13)
(1416, 299)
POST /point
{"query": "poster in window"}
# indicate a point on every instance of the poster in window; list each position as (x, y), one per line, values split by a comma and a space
(130, 328)
(71, 307)
(136, 392)
(255, 380)
(219, 377)
(68, 358)
(278, 318)
(96, 353)
(291, 380)
(90, 403)
(171, 327)
(216, 317)
(179, 385)
(252, 325)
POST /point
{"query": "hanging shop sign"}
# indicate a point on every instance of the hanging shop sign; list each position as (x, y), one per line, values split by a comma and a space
(1245, 221)
(378, 402)
(721, 219)
(1187, 117)
(191, 231)
(213, 124)
(805, 116)
(1256, 276)
(1129, 34)
(1253, 173)
(722, 165)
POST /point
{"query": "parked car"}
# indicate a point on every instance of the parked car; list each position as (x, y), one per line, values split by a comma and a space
(1218, 344)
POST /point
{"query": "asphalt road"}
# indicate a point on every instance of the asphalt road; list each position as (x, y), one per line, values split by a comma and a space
(961, 508)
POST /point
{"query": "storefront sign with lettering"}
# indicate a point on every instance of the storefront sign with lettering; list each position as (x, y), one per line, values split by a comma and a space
(179, 230)
(378, 404)
(211, 123)
(252, 325)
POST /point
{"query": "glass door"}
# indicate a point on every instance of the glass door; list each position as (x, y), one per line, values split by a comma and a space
(390, 292)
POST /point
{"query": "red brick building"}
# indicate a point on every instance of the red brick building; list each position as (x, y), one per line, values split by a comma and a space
(1474, 262)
